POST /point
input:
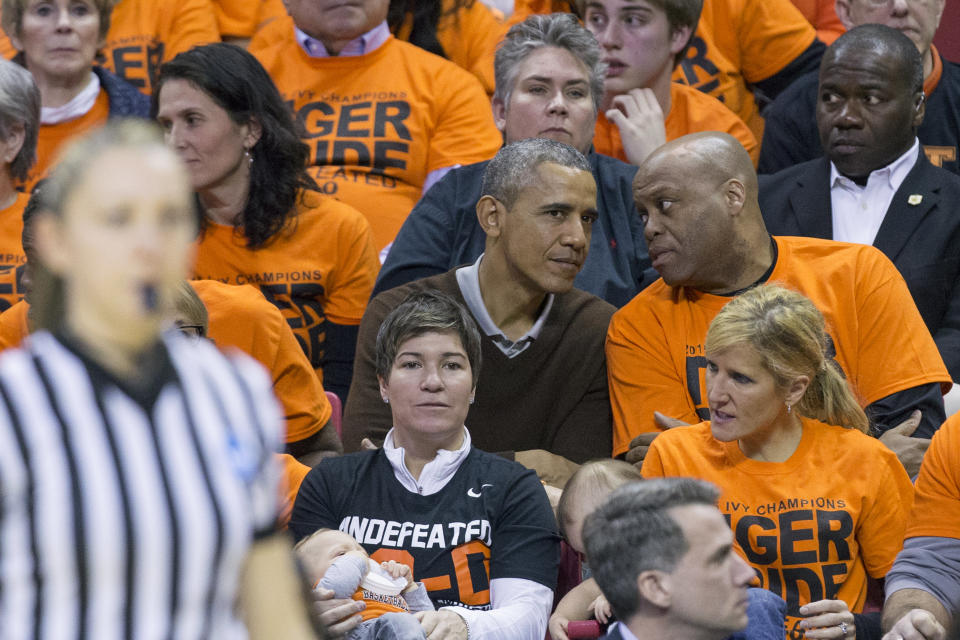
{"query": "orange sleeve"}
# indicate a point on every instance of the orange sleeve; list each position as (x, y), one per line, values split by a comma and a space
(293, 474)
(767, 35)
(465, 132)
(642, 375)
(236, 18)
(653, 464)
(822, 14)
(936, 510)
(298, 388)
(350, 285)
(470, 38)
(884, 518)
(240, 317)
(194, 23)
(895, 349)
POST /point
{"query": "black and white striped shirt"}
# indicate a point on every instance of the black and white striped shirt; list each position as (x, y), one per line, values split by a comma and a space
(124, 516)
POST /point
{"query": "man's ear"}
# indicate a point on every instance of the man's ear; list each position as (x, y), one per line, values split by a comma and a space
(735, 195)
(842, 8)
(499, 114)
(679, 39)
(490, 213)
(654, 587)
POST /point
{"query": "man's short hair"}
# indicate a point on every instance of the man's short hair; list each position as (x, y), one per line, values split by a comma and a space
(560, 30)
(513, 169)
(882, 39)
(633, 532)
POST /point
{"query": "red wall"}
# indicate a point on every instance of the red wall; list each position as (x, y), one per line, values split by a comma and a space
(948, 35)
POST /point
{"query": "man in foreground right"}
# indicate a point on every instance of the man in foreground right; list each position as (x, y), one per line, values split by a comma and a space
(663, 556)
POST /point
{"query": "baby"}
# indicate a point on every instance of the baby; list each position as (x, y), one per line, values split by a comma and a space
(334, 560)
(585, 491)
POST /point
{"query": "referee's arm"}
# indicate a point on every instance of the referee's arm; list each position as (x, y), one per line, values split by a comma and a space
(272, 594)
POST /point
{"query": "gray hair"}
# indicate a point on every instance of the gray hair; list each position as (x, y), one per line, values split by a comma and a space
(561, 30)
(633, 532)
(513, 168)
(19, 106)
(425, 312)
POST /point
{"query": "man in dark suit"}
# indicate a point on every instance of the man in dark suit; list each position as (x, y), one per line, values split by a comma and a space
(875, 186)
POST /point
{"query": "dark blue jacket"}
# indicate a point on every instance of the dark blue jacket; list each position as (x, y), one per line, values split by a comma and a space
(125, 100)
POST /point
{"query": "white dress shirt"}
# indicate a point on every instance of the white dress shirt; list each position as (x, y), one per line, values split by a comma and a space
(468, 278)
(858, 211)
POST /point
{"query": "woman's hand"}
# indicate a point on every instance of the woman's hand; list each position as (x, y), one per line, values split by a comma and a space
(828, 619)
(337, 615)
(601, 609)
(442, 625)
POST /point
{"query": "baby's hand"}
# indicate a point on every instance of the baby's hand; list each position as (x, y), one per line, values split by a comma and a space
(398, 570)
(601, 609)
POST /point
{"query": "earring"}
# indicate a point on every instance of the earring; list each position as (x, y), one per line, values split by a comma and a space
(246, 153)
(471, 400)
(788, 407)
(386, 400)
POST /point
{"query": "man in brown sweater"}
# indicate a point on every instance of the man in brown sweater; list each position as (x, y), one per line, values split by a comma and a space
(542, 394)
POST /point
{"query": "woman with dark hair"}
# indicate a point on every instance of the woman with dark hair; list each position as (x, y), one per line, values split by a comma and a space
(816, 505)
(264, 222)
(140, 489)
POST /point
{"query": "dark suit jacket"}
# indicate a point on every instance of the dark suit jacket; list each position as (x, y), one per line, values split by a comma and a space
(922, 239)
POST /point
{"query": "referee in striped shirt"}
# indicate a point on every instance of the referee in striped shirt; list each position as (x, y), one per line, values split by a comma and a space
(138, 491)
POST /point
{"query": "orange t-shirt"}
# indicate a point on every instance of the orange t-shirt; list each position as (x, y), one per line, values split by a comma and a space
(822, 14)
(240, 317)
(52, 137)
(379, 123)
(812, 526)
(936, 509)
(144, 34)
(739, 42)
(691, 111)
(13, 325)
(320, 268)
(655, 352)
(11, 230)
